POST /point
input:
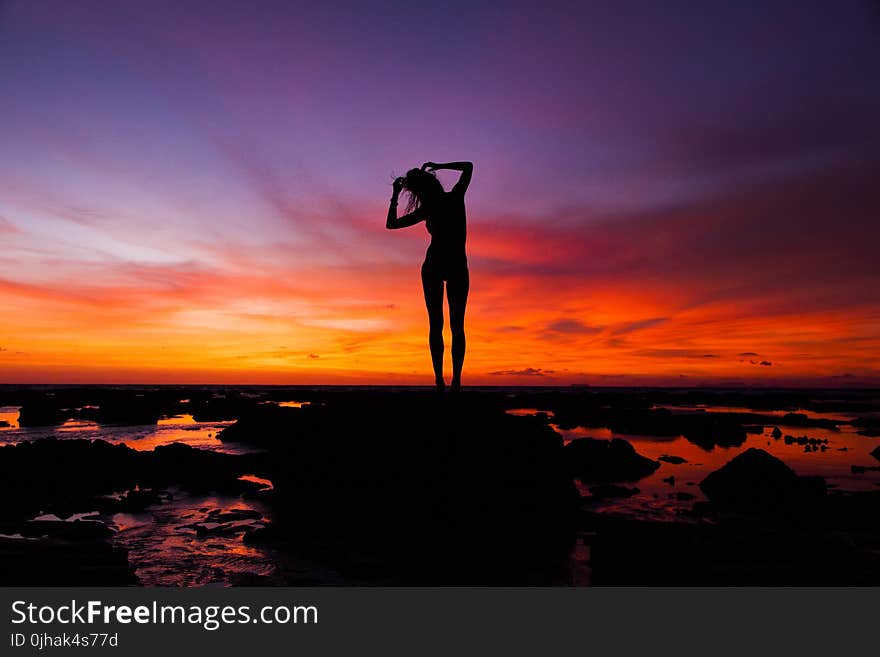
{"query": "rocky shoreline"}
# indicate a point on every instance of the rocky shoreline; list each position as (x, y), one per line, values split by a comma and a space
(402, 487)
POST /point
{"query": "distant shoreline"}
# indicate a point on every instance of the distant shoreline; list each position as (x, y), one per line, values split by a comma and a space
(744, 387)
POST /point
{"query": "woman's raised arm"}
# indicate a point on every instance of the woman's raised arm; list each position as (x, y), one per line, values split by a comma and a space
(466, 168)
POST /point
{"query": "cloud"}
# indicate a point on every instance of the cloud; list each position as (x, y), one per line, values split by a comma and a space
(749, 353)
(673, 353)
(529, 371)
(757, 133)
(314, 356)
(632, 327)
(572, 326)
(7, 226)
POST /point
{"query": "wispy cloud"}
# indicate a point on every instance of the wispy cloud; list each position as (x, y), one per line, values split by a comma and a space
(528, 371)
(573, 326)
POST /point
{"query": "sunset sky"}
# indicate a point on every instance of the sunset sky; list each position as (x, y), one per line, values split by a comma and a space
(664, 192)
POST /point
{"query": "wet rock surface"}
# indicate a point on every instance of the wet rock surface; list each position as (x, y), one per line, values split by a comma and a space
(68, 477)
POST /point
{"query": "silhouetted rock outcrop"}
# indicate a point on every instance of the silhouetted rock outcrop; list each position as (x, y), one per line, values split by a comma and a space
(61, 562)
(71, 476)
(758, 482)
(43, 413)
(425, 488)
(868, 426)
(592, 460)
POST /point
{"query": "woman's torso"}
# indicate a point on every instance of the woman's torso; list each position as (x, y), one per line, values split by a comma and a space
(447, 225)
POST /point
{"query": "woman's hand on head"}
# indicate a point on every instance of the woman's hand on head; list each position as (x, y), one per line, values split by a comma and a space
(398, 184)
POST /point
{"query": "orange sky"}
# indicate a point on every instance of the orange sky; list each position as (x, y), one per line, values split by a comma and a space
(548, 306)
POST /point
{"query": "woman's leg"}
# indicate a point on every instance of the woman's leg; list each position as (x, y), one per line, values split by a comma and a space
(432, 284)
(457, 292)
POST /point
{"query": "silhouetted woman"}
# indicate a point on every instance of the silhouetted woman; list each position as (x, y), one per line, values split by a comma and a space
(444, 216)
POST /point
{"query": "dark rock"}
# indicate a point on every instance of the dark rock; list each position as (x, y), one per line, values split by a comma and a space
(777, 433)
(802, 420)
(260, 425)
(606, 491)
(868, 426)
(61, 562)
(78, 529)
(220, 515)
(252, 579)
(133, 501)
(259, 536)
(593, 460)
(43, 413)
(223, 529)
(429, 481)
(78, 475)
(685, 497)
(756, 481)
(862, 469)
(876, 453)
(671, 459)
(130, 410)
(669, 480)
(713, 429)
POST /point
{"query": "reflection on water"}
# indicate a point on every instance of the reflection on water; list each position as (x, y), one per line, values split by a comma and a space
(89, 515)
(8, 417)
(75, 426)
(177, 429)
(176, 420)
(267, 484)
(195, 541)
(189, 540)
(673, 487)
(524, 411)
(813, 415)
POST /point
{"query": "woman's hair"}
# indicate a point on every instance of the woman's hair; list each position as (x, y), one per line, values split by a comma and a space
(422, 187)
